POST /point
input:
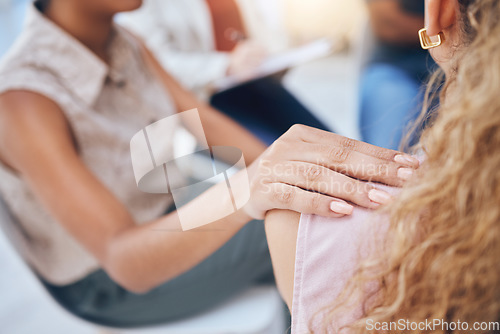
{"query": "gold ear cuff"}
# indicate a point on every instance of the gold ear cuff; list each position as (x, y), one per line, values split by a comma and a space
(426, 42)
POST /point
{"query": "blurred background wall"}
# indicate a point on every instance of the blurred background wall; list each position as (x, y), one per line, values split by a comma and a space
(311, 19)
(303, 20)
(12, 14)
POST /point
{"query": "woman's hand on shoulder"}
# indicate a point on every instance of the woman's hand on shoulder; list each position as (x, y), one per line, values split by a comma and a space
(317, 172)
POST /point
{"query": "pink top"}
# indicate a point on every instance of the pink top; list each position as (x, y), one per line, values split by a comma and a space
(328, 251)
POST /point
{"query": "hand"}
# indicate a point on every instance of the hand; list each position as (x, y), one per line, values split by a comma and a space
(317, 172)
(245, 59)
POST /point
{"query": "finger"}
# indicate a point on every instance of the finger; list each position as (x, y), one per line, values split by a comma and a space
(316, 136)
(355, 164)
(341, 207)
(288, 197)
(379, 196)
(319, 179)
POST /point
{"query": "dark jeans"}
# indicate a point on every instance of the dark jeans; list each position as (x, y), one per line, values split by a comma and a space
(242, 262)
(265, 108)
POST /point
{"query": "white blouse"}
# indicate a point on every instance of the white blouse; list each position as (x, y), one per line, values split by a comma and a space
(105, 105)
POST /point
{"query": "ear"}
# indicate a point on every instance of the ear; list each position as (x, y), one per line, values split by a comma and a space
(440, 15)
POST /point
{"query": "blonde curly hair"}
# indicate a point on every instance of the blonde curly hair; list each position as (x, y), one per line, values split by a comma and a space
(439, 259)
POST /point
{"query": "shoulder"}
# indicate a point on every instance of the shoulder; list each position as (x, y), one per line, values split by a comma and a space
(29, 79)
(29, 123)
(32, 45)
(278, 220)
(40, 59)
(24, 101)
(24, 66)
(27, 113)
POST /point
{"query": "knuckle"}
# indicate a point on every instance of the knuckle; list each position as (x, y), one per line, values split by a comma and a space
(278, 147)
(297, 129)
(348, 144)
(381, 154)
(284, 196)
(339, 154)
(312, 173)
(315, 202)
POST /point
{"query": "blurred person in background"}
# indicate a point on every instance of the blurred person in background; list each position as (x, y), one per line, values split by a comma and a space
(202, 41)
(391, 82)
(74, 89)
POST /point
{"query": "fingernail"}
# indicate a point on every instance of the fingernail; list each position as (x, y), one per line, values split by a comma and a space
(405, 173)
(379, 196)
(342, 208)
(406, 160)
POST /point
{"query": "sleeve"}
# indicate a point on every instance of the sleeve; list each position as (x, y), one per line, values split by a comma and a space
(36, 81)
(326, 258)
(328, 252)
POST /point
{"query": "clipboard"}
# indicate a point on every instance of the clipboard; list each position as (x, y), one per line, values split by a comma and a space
(281, 62)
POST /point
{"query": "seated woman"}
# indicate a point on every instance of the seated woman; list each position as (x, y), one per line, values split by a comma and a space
(203, 41)
(432, 252)
(74, 90)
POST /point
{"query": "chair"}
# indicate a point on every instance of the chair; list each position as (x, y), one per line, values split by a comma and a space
(259, 310)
